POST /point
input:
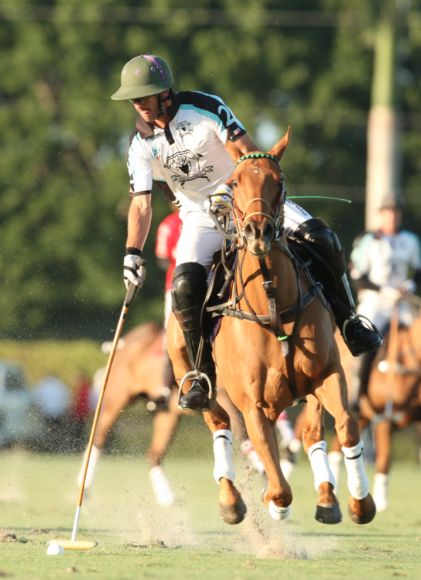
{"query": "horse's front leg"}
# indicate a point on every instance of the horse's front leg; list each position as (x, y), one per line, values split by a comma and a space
(327, 511)
(383, 439)
(278, 496)
(333, 396)
(232, 507)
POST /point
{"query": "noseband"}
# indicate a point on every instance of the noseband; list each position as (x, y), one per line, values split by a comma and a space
(274, 216)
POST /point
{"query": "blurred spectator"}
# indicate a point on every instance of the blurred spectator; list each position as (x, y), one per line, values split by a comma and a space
(53, 400)
(81, 408)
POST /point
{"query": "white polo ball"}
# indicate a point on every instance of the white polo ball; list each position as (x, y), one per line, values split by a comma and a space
(55, 549)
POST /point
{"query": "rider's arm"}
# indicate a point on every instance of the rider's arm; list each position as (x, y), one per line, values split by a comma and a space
(139, 221)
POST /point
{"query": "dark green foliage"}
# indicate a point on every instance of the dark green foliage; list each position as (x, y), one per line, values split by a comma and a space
(64, 184)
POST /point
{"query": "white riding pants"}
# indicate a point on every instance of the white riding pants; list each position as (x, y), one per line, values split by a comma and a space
(199, 238)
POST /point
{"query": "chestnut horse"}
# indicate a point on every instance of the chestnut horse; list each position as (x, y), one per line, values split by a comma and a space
(261, 375)
(393, 399)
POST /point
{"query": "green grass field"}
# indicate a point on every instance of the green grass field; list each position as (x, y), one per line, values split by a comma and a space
(39, 492)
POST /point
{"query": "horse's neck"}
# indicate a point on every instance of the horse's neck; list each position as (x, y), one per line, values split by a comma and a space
(281, 272)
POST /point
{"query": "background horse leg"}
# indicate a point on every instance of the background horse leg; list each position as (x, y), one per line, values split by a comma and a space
(115, 400)
(327, 511)
(333, 396)
(232, 507)
(164, 426)
(278, 496)
(383, 439)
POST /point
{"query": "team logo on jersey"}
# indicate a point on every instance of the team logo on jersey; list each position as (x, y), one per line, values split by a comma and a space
(185, 128)
(186, 167)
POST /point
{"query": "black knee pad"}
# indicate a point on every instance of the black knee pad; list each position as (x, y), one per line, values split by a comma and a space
(188, 293)
(316, 232)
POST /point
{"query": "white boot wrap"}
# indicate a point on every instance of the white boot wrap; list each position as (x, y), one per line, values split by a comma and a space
(161, 486)
(320, 465)
(93, 460)
(335, 461)
(358, 484)
(279, 513)
(381, 481)
(222, 447)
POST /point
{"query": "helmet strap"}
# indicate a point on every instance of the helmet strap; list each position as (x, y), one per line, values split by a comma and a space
(161, 100)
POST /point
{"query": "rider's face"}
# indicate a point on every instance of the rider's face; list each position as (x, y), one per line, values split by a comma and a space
(390, 220)
(147, 108)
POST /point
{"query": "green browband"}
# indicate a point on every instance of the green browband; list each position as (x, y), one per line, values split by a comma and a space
(258, 156)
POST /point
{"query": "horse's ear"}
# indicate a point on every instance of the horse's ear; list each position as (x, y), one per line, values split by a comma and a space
(233, 150)
(279, 149)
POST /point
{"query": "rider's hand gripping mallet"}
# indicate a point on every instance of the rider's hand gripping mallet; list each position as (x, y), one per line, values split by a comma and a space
(74, 544)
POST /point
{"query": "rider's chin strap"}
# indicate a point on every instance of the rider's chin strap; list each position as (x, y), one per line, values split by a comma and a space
(161, 100)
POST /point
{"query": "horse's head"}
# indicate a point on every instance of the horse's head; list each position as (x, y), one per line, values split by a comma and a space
(259, 191)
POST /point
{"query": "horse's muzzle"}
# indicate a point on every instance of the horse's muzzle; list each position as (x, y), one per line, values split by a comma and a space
(259, 236)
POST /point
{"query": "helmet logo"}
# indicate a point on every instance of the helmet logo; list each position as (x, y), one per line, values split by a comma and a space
(138, 72)
(152, 68)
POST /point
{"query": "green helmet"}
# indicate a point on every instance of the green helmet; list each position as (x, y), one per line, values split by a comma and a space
(144, 76)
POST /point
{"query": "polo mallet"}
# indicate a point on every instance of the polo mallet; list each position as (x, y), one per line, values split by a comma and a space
(74, 544)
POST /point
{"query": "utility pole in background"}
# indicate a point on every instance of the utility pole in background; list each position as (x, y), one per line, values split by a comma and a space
(383, 142)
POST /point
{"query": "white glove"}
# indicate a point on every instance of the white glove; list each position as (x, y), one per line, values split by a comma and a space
(134, 270)
(389, 293)
(408, 286)
(220, 202)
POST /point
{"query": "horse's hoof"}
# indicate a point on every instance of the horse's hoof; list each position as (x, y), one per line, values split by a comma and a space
(233, 514)
(366, 518)
(328, 513)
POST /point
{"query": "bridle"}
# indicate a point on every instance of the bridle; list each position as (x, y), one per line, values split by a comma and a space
(274, 217)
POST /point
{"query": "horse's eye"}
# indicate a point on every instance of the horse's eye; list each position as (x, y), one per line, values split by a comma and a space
(235, 184)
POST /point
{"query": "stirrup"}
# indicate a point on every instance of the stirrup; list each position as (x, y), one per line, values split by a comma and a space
(369, 326)
(195, 375)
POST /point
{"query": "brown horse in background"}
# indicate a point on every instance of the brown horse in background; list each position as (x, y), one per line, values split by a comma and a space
(254, 366)
(140, 369)
(393, 399)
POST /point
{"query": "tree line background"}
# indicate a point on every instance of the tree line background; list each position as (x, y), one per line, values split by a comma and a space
(63, 177)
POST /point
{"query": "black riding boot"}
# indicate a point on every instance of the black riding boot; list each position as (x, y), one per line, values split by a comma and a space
(188, 294)
(359, 336)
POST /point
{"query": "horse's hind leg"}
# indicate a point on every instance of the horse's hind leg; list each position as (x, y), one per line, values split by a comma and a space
(383, 439)
(333, 396)
(328, 511)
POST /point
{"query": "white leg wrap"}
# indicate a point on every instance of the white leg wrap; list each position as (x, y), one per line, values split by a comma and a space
(295, 445)
(279, 513)
(358, 484)
(287, 468)
(335, 461)
(381, 481)
(93, 460)
(248, 449)
(320, 465)
(222, 447)
(161, 486)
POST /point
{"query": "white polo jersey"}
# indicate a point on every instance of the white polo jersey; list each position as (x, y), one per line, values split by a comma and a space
(385, 259)
(189, 155)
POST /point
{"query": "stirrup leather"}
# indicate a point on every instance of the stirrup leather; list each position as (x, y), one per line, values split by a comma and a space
(195, 375)
(369, 325)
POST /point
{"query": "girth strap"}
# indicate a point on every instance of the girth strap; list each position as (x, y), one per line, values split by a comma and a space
(225, 310)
